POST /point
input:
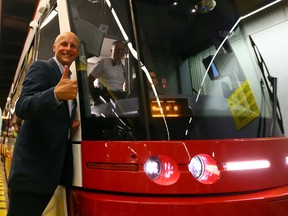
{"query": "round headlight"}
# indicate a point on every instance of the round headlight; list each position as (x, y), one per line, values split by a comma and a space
(196, 167)
(152, 167)
(204, 169)
(162, 169)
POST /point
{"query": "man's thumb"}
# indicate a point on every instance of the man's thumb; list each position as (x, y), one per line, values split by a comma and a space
(65, 74)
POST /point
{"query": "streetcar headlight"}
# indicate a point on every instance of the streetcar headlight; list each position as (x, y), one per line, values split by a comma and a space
(162, 169)
(152, 167)
(204, 169)
(196, 167)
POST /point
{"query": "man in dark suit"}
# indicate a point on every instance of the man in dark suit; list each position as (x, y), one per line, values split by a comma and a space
(42, 157)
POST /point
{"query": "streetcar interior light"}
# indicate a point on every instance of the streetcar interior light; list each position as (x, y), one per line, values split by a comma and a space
(94, 1)
(162, 169)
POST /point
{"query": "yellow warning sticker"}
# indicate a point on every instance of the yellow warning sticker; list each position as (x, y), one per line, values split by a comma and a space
(243, 105)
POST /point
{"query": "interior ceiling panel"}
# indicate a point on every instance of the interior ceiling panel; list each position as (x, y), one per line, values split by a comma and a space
(15, 18)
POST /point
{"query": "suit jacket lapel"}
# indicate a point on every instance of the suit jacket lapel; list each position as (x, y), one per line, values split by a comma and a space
(55, 67)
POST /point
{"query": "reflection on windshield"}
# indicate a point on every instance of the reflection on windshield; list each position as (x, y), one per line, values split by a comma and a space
(196, 74)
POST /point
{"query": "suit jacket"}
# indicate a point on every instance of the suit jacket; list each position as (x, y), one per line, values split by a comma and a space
(42, 156)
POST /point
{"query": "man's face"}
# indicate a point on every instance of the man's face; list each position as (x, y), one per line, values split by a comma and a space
(66, 48)
(118, 51)
(154, 78)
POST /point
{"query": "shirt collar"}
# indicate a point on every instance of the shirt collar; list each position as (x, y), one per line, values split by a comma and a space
(61, 67)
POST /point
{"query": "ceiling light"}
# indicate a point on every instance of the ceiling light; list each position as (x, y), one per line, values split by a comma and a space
(205, 6)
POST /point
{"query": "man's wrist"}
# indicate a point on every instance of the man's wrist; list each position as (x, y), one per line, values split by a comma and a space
(58, 102)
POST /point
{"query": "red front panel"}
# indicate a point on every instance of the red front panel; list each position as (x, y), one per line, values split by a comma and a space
(271, 202)
(272, 150)
(117, 184)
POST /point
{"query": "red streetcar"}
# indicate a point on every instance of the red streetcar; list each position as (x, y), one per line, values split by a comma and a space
(206, 138)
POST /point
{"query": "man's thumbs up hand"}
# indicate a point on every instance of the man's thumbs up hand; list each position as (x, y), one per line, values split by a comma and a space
(66, 89)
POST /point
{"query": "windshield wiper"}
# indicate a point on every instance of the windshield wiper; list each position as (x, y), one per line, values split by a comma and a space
(272, 90)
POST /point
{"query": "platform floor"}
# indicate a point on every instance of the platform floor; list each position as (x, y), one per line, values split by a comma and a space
(3, 191)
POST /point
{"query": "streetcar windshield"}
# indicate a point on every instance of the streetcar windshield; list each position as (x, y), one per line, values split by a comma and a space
(187, 72)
